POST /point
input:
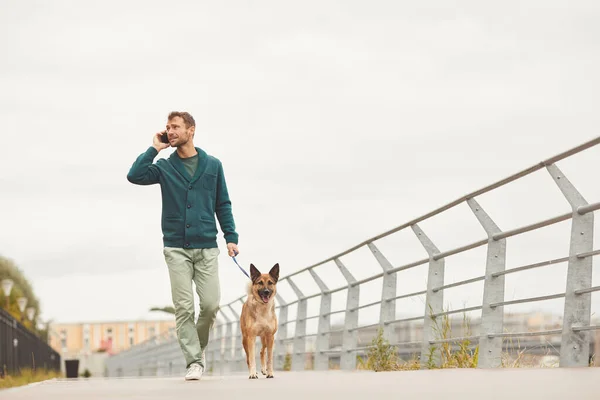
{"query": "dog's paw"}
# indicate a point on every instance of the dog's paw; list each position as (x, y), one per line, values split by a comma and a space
(270, 376)
(262, 371)
(254, 376)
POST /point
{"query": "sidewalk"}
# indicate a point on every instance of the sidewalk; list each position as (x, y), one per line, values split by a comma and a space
(547, 384)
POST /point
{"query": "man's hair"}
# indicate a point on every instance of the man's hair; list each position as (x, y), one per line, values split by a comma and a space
(187, 117)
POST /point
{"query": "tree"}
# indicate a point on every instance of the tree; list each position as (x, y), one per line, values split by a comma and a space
(22, 287)
(167, 309)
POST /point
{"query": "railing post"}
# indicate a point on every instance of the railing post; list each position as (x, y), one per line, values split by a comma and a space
(575, 346)
(492, 318)
(10, 349)
(388, 291)
(217, 342)
(280, 347)
(322, 342)
(227, 346)
(227, 356)
(238, 348)
(434, 301)
(350, 335)
(299, 356)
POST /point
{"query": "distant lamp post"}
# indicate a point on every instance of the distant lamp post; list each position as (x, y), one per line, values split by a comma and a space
(30, 313)
(22, 303)
(7, 285)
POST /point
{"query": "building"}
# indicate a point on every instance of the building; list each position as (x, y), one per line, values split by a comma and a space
(92, 342)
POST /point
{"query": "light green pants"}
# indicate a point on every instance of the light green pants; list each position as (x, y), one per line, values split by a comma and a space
(200, 266)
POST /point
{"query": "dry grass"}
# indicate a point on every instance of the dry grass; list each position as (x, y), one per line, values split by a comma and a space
(26, 377)
(459, 354)
(287, 362)
(310, 361)
(520, 358)
(382, 356)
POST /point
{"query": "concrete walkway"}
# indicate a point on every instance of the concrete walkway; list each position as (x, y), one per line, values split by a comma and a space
(547, 384)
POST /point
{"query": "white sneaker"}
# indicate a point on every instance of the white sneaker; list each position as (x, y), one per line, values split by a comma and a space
(194, 372)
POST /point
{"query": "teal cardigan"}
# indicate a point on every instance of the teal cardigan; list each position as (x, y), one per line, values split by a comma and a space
(189, 203)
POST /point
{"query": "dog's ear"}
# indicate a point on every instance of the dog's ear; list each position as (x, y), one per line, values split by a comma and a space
(274, 272)
(254, 273)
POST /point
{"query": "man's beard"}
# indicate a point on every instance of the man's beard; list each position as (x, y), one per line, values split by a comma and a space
(181, 143)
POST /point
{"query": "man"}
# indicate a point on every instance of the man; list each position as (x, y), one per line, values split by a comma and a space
(193, 191)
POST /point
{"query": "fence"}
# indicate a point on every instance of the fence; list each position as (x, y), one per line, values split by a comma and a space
(161, 355)
(21, 349)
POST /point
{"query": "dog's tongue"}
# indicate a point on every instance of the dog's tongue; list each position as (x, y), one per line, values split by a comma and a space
(265, 299)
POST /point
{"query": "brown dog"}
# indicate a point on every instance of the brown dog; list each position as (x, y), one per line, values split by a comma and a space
(258, 319)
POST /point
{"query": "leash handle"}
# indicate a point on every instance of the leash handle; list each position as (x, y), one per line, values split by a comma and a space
(239, 266)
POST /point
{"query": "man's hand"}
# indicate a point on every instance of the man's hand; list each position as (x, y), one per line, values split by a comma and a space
(158, 144)
(232, 249)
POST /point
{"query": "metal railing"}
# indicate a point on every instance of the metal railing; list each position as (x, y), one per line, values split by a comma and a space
(21, 349)
(225, 353)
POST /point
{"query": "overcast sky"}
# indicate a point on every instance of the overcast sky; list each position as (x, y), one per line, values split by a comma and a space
(334, 120)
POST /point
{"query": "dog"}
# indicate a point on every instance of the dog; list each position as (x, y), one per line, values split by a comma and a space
(258, 319)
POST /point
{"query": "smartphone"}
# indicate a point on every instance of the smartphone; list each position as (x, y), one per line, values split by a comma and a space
(164, 138)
